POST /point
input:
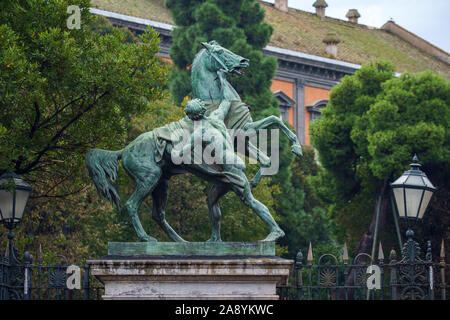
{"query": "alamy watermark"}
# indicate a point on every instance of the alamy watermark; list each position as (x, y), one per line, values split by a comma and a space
(74, 20)
(74, 278)
(374, 280)
(205, 145)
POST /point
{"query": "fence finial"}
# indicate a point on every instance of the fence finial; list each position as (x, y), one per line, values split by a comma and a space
(299, 257)
(428, 254)
(40, 253)
(380, 252)
(393, 255)
(345, 253)
(310, 254)
(7, 250)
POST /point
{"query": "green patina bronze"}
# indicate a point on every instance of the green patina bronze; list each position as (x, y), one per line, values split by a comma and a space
(149, 160)
(192, 248)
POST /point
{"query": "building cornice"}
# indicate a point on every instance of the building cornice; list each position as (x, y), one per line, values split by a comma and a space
(311, 69)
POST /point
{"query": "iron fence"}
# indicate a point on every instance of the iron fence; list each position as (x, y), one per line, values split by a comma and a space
(28, 281)
(329, 278)
(407, 278)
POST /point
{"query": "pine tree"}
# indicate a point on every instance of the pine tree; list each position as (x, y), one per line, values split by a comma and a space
(369, 131)
(239, 26)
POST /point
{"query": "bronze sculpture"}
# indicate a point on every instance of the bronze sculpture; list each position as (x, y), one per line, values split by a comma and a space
(149, 159)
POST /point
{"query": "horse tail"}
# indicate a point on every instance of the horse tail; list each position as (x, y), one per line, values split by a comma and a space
(103, 166)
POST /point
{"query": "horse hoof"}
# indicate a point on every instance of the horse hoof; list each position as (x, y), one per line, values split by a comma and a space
(148, 239)
(297, 149)
(214, 240)
(274, 235)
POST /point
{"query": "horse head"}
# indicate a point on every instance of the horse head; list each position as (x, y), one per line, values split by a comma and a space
(222, 59)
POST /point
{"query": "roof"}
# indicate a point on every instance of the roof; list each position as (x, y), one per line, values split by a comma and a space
(303, 32)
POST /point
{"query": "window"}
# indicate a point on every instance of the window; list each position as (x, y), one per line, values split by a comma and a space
(314, 109)
(285, 103)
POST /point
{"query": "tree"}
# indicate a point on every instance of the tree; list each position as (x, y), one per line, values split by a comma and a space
(74, 88)
(62, 92)
(305, 219)
(239, 26)
(370, 129)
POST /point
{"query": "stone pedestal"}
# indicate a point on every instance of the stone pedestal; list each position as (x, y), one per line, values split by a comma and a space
(196, 277)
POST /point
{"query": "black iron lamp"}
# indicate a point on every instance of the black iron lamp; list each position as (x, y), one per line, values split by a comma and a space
(412, 193)
(14, 194)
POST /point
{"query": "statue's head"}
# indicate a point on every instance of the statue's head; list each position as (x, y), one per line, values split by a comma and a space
(195, 109)
(224, 59)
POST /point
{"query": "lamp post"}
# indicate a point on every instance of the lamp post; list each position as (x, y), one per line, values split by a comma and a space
(412, 193)
(14, 194)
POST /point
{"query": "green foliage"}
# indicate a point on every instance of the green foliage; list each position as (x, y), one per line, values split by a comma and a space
(67, 83)
(412, 115)
(239, 26)
(65, 91)
(62, 92)
(332, 135)
(303, 217)
(370, 129)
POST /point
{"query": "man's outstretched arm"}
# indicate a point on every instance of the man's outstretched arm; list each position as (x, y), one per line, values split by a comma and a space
(222, 111)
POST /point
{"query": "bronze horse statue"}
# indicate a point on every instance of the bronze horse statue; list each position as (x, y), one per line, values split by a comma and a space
(148, 160)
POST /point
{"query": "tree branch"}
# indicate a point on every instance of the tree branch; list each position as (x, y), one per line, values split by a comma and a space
(58, 135)
(47, 121)
(36, 120)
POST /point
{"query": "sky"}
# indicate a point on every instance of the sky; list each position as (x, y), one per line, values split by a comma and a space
(427, 19)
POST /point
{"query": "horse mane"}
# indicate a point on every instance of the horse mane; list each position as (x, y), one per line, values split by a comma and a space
(197, 62)
(196, 65)
(197, 59)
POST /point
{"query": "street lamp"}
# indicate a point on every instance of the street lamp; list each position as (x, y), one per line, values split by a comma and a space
(14, 194)
(412, 193)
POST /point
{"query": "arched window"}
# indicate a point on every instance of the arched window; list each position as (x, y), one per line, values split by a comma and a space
(314, 109)
(285, 104)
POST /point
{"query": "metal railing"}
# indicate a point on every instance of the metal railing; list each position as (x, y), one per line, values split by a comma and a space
(409, 278)
(28, 281)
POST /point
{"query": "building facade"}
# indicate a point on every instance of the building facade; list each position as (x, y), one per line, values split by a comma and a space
(304, 76)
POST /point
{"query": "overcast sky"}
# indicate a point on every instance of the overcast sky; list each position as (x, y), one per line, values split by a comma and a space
(427, 19)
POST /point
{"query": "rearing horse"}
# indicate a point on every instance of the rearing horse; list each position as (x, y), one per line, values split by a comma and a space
(148, 159)
(208, 86)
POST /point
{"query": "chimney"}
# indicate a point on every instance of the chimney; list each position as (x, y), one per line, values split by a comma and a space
(281, 5)
(320, 6)
(331, 41)
(353, 15)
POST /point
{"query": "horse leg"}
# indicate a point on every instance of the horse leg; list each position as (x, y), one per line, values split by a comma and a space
(255, 153)
(259, 208)
(146, 173)
(135, 201)
(160, 194)
(273, 120)
(215, 193)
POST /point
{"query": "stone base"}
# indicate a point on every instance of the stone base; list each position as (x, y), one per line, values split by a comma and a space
(191, 248)
(191, 277)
